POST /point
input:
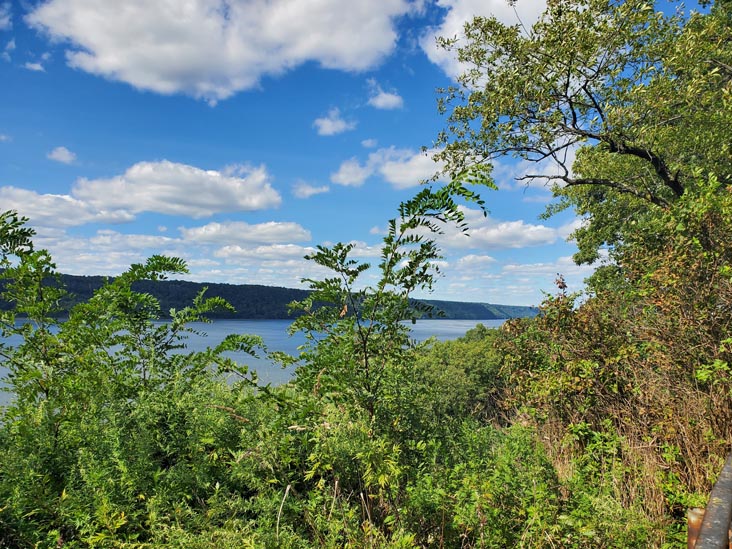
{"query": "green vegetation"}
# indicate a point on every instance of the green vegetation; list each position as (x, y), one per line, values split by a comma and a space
(595, 424)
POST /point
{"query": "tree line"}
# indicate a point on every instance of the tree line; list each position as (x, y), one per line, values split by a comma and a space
(254, 301)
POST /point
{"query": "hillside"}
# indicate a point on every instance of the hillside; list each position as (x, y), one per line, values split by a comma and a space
(252, 301)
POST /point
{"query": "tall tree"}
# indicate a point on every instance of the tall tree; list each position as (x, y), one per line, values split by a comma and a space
(642, 97)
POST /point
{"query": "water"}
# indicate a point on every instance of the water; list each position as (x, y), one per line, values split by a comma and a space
(274, 334)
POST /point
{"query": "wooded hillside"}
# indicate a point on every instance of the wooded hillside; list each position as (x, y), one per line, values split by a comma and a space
(252, 301)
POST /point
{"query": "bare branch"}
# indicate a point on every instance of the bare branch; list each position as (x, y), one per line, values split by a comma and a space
(609, 183)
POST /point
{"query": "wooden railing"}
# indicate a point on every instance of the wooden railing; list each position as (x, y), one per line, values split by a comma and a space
(710, 528)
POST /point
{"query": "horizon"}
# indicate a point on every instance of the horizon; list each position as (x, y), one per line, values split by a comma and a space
(205, 283)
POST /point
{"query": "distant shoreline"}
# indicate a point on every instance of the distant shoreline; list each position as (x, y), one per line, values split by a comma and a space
(258, 302)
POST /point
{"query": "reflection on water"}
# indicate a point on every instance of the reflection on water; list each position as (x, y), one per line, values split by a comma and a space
(274, 334)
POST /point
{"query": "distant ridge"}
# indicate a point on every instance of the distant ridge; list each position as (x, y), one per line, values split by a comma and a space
(256, 302)
(463, 310)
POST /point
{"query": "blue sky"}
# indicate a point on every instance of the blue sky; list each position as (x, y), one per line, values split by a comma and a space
(240, 134)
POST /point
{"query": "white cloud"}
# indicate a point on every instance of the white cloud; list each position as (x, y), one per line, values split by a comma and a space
(270, 252)
(369, 143)
(473, 262)
(568, 228)
(513, 234)
(62, 154)
(57, 210)
(9, 47)
(211, 49)
(163, 187)
(563, 265)
(461, 11)
(5, 138)
(333, 123)
(6, 16)
(105, 252)
(401, 168)
(36, 67)
(486, 233)
(351, 173)
(380, 99)
(108, 240)
(179, 189)
(238, 231)
(363, 250)
(405, 168)
(304, 190)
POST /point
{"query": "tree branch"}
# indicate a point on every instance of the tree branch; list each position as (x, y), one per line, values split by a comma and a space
(615, 185)
(659, 166)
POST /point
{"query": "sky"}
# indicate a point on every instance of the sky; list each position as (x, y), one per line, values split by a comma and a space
(240, 134)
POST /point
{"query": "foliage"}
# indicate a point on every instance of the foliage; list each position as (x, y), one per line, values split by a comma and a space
(627, 385)
(642, 98)
(356, 336)
(595, 424)
(118, 437)
(107, 425)
(643, 363)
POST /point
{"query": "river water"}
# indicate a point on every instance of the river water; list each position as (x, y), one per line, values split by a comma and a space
(274, 334)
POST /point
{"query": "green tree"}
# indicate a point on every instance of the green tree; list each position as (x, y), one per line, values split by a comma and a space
(625, 108)
(111, 425)
(644, 99)
(355, 332)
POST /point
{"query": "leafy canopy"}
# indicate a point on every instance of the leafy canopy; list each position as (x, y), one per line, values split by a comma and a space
(639, 93)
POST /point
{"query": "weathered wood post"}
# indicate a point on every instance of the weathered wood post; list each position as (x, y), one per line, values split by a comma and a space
(714, 532)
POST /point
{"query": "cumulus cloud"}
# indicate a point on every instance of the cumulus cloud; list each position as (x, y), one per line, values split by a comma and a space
(380, 99)
(162, 187)
(238, 231)
(108, 240)
(62, 154)
(35, 67)
(401, 168)
(235, 252)
(304, 190)
(271, 252)
(179, 189)
(369, 143)
(563, 265)
(333, 123)
(211, 49)
(105, 252)
(351, 173)
(404, 168)
(487, 233)
(459, 12)
(513, 234)
(364, 250)
(56, 210)
(566, 230)
(472, 262)
(6, 16)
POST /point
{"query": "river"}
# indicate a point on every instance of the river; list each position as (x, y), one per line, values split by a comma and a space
(274, 334)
